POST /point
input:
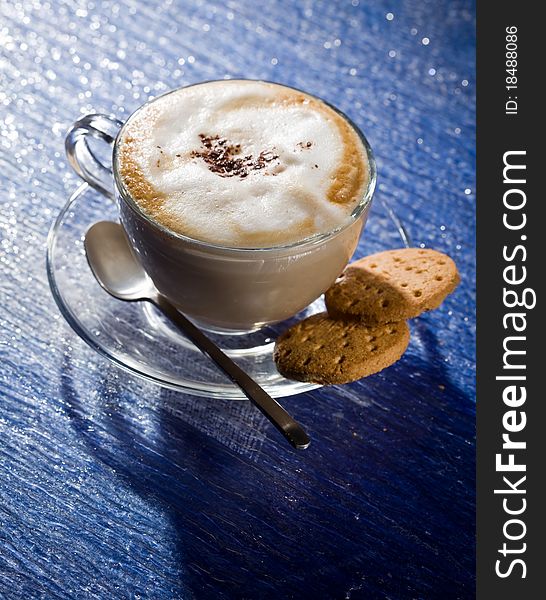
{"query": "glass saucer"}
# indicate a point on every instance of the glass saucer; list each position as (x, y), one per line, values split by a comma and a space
(136, 336)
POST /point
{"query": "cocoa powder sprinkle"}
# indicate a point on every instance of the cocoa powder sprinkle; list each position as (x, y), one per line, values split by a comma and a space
(222, 157)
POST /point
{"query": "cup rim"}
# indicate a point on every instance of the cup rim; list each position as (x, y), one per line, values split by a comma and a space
(311, 240)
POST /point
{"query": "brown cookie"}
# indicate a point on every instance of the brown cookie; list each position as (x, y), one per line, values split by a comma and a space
(392, 286)
(326, 350)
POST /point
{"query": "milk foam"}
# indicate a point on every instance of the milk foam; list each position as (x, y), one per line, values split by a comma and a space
(242, 163)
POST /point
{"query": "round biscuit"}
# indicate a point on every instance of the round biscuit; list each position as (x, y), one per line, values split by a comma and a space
(325, 350)
(392, 286)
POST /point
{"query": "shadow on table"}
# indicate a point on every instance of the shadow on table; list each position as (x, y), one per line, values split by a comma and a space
(381, 505)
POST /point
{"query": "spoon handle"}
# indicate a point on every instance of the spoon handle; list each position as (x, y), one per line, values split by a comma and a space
(292, 430)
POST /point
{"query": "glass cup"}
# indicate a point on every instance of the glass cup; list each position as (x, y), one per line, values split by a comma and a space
(223, 289)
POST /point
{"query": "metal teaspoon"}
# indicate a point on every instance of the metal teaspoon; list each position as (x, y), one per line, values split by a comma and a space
(121, 275)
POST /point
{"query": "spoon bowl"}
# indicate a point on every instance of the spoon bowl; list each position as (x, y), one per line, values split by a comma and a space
(114, 264)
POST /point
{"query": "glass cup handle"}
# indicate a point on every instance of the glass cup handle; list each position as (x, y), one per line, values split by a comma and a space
(82, 159)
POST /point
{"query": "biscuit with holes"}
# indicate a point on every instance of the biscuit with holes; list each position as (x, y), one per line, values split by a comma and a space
(325, 350)
(392, 286)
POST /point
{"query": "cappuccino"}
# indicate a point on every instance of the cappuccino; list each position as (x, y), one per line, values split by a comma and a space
(243, 164)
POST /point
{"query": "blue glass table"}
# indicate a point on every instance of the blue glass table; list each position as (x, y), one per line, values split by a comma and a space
(113, 487)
